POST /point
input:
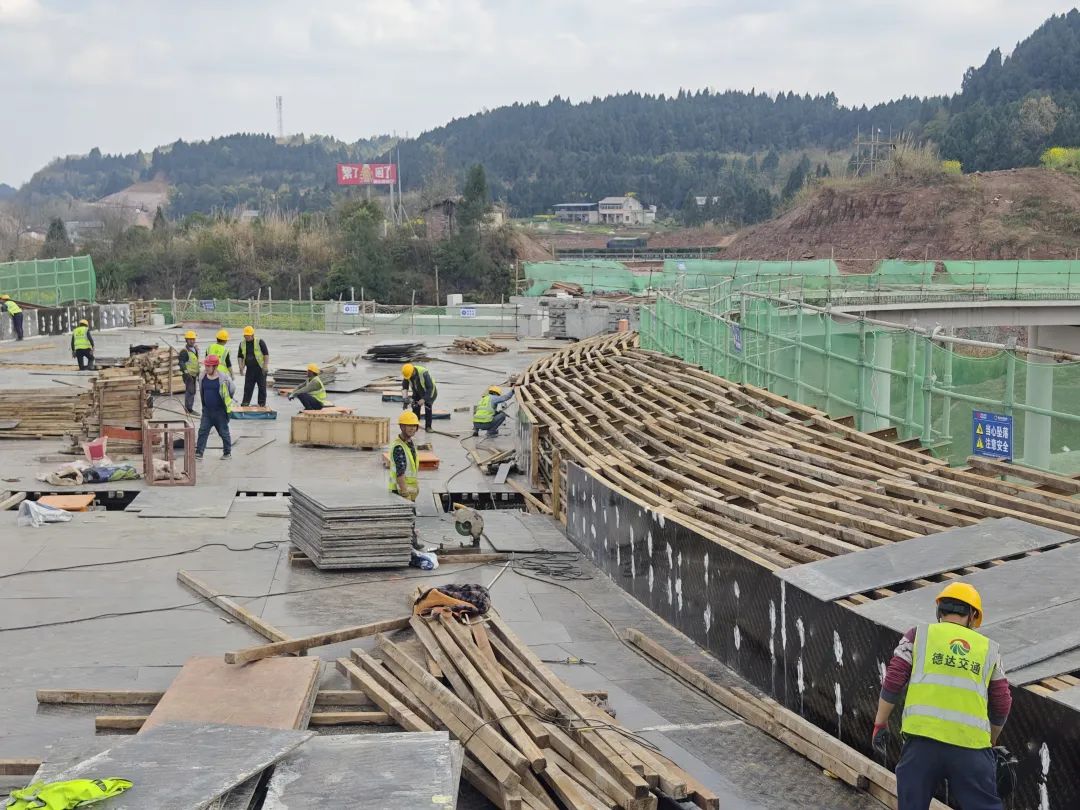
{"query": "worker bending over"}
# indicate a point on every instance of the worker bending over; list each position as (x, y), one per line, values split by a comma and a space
(82, 346)
(422, 391)
(312, 394)
(957, 702)
(189, 370)
(217, 391)
(488, 414)
(254, 360)
(404, 465)
(16, 313)
(220, 350)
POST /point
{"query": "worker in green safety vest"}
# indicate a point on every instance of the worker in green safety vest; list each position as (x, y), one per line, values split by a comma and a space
(312, 394)
(16, 313)
(217, 392)
(254, 360)
(956, 704)
(220, 349)
(188, 357)
(421, 388)
(404, 464)
(82, 346)
(487, 413)
(66, 795)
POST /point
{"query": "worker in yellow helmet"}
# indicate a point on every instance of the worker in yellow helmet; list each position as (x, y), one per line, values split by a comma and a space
(312, 394)
(16, 313)
(956, 704)
(488, 413)
(254, 360)
(82, 346)
(220, 350)
(421, 391)
(404, 464)
(188, 357)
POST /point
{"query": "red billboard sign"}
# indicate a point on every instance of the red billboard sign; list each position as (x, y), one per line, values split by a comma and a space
(366, 174)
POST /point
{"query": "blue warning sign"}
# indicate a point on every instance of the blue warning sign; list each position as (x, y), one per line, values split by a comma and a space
(992, 435)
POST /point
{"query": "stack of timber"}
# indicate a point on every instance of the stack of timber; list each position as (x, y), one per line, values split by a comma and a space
(777, 481)
(43, 412)
(395, 352)
(467, 345)
(118, 409)
(531, 740)
(341, 526)
(295, 377)
(141, 312)
(159, 369)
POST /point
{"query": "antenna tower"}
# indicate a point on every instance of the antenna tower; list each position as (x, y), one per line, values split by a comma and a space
(278, 102)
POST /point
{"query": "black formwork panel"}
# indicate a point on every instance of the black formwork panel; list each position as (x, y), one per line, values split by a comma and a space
(819, 659)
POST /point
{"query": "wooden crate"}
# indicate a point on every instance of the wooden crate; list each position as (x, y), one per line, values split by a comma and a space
(340, 430)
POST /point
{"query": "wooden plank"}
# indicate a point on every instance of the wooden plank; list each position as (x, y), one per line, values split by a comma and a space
(234, 609)
(119, 722)
(316, 640)
(530, 499)
(277, 693)
(388, 681)
(350, 719)
(396, 710)
(1059, 482)
(101, 697)
(19, 767)
(457, 683)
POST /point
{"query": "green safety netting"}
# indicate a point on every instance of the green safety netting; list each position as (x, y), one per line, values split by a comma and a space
(50, 282)
(594, 276)
(1007, 275)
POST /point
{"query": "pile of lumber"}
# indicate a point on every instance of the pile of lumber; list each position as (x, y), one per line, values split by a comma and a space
(35, 413)
(119, 406)
(286, 377)
(341, 526)
(567, 287)
(531, 740)
(467, 345)
(395, 352)
(141, 312)
(158, 368)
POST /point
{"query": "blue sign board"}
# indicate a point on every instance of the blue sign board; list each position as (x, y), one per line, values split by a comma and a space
(992, 435)
(207, 305)
(736, 337)
(468, 312)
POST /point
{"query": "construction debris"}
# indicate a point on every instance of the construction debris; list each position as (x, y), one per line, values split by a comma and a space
(286, 377)
(395, 352)
(343, 527)
(119, 407)
(467, 345)
(43, 412)
(158, 368)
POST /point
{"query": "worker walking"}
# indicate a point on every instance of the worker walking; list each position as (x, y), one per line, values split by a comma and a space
(404, 464)
(312, 394)
(82, 346)
(220, 350)
(956, 705)
(189, 370)
(488, 414)
(16, 313)
(217, 391)
(254, 361)
(422, 391)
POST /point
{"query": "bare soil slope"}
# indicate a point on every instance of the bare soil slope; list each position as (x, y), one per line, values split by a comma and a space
(1009, 214)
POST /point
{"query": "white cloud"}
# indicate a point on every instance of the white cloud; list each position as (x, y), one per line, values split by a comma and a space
(126, 74)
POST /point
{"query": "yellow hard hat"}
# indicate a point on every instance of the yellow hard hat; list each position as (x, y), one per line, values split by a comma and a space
(249, 331)
(962, 592)
(495, 390)
(223, 335)
(84, 322)
(314, 369)
(407, 370)
(189, 335)
(408, 418)
(4, 297)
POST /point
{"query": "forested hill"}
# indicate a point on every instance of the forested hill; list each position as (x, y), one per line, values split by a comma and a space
(663, 148)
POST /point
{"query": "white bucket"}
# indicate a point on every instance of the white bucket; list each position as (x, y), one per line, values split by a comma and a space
(157, 319)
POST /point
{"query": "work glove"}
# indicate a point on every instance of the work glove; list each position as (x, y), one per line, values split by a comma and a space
(290, 397)
(880, 739)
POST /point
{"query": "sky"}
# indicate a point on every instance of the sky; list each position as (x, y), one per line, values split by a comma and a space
(125, 75)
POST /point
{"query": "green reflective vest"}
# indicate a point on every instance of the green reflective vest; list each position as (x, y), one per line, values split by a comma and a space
(65, 795)
(79, 335)
(950, 679)
(219, 350)
(224, 388)
(484, 411)
(412, 467)
(320, 390)
(12, 307)
(240, 352)
(416, 381)
(191, 365)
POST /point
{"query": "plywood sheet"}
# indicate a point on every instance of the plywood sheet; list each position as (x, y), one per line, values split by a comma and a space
(390, 771)
(183, 502)
(180, 766)
(880, 567)
(274, 692)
